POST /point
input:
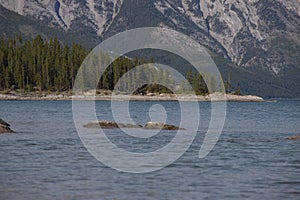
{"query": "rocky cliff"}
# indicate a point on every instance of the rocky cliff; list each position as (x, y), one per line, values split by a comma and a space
(95, 15)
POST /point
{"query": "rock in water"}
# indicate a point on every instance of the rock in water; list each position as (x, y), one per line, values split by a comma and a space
(5, 127)
(294, 137)
(149, 125)
(110, 125)
(162, 126)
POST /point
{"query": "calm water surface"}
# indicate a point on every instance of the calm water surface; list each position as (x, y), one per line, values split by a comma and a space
(47, 160)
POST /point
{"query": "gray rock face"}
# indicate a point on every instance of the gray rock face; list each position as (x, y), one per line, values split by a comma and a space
(67, 14)
(5, 127)
(162, 126)
(249, 32)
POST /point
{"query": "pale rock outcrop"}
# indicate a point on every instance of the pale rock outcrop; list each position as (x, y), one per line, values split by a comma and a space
(161, 126)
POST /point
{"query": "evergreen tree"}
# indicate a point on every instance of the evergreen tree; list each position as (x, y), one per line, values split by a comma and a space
(47, 65)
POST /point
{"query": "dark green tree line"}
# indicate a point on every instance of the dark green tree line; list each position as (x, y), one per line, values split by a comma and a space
(47, 65)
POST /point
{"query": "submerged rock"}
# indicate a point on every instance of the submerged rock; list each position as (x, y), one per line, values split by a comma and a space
(110, 125)
(5, 127)
(162, 126)
(294, 137)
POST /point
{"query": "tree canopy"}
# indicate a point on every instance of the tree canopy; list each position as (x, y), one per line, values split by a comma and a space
(47, 65)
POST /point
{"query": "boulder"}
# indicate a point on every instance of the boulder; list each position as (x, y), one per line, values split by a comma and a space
(129, 125)
(161, 126)
(110, 125)
(149, 125)
(294, 137)
(5, 127)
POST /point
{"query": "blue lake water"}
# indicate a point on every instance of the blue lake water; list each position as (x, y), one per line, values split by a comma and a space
(46, 159)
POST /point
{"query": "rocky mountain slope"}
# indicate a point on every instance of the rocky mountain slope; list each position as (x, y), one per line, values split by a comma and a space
(261, 36)
(65, 14)
(248, 30)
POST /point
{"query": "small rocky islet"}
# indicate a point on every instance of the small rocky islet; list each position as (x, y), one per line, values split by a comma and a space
(110, 125)
(162, 126)
(5, 127)
(148, 125)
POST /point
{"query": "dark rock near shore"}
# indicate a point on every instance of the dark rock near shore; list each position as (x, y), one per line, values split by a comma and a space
(162, 126)
(294, 137)
(110, 125)
(5, 127)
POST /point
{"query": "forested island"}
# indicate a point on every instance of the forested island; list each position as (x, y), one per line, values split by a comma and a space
(41, 67)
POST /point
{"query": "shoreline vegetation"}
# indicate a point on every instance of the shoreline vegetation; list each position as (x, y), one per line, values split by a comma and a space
(108, 95)
(41, 69)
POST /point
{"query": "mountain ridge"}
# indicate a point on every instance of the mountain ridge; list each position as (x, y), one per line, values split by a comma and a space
(260, 36)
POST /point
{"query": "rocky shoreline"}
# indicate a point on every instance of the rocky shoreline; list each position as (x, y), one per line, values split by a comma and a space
(108, 96)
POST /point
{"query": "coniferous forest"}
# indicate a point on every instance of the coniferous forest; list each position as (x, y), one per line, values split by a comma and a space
(42, 64)
(47, 65)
